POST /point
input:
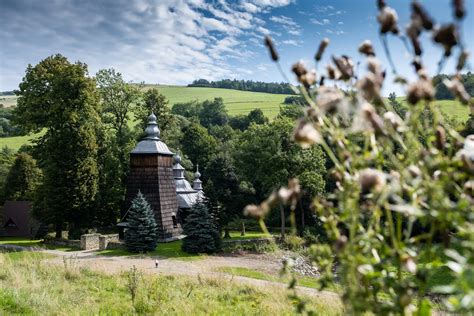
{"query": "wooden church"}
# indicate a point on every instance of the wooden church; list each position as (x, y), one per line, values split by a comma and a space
(158, 174)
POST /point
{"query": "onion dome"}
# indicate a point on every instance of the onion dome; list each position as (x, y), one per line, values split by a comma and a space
(197, 183)
(151, 143)
(178, 170)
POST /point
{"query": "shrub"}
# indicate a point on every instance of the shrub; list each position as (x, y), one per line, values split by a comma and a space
(141, 233)
(201, 235)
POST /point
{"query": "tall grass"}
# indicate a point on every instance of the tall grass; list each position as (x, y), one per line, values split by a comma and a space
(29, 285)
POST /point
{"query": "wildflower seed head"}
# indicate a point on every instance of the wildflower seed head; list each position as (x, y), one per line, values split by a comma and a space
(440, 138)
(414, 171)
(370, 86)
(466, 154)
(333, 73)
(459, 10)
(388, 20)
(256, 211)
(299, 69)
(345, 65)
(373, 119)
(291, 193)
(367, 48)
(463, 56)
(322, 47)
(394, 120)
(306, 135)
(420, 12)
(381, 4)
(420, 90)
(408, 264)
(446, 35)
(330, 99)
(457, 88)
(271, 48)
(372, 180)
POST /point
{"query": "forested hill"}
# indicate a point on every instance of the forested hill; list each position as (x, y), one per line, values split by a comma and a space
(245, 85)
(443, 93)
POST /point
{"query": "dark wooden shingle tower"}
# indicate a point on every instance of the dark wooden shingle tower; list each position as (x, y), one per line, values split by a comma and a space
(151, 172)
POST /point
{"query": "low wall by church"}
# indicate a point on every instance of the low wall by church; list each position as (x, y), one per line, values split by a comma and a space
(90, 241)
(105, 240)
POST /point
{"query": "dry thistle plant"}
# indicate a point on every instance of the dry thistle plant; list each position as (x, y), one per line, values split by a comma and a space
(403, 204)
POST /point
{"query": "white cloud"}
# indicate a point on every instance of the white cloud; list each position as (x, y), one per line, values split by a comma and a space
(249, 7)
(287, 23)
(292, 42)
(320, 22)
(272, 3)
(335, 32)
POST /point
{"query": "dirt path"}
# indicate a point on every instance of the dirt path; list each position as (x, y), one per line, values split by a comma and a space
(205, 267)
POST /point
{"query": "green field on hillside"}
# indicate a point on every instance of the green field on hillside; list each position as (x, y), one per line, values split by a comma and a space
(7, 101)
(237, 102)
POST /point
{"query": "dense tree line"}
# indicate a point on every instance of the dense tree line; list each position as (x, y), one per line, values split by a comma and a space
(245, 85)
(443, 93)
(7, 129)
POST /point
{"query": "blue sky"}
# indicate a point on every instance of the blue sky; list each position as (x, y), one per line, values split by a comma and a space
(177, 41)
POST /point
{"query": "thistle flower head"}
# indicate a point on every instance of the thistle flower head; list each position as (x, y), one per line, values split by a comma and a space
(367, 48)
(446, 35)
(420, 12)
(394, 120)
(420, 90)
(457, 88)
(466, 154)
(306, 135)
(388, 19)
(372, 180)
(345, 65)
(459, 10)
(322, 47)
(330, 100)
(271, 48)
(463, 56)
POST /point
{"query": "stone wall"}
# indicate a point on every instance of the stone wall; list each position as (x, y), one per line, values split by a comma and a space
(90, 241)
(104, 240)
(63, 242)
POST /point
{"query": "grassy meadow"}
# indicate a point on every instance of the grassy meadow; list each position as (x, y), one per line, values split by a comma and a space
(29, 285)
(7, 100)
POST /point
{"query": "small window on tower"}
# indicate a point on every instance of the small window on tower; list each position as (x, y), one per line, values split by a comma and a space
(175, 221)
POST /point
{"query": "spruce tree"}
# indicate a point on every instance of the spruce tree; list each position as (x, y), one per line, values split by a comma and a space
(141, 234)
(201, 235)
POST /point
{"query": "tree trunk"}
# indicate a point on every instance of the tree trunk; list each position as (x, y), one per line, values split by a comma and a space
(226, 232)
(302, 217)
(243, 230)
(59, 230)
(282, 216)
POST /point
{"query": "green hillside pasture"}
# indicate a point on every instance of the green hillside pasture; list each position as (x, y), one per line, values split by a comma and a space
(8, 101)
(236, 102)
(451, 108)
(16, 142)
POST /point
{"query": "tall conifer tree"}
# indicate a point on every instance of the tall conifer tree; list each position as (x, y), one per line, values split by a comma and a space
(141, 234)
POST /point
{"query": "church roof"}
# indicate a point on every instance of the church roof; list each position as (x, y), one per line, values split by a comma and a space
(187, 194)
(152, 144)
